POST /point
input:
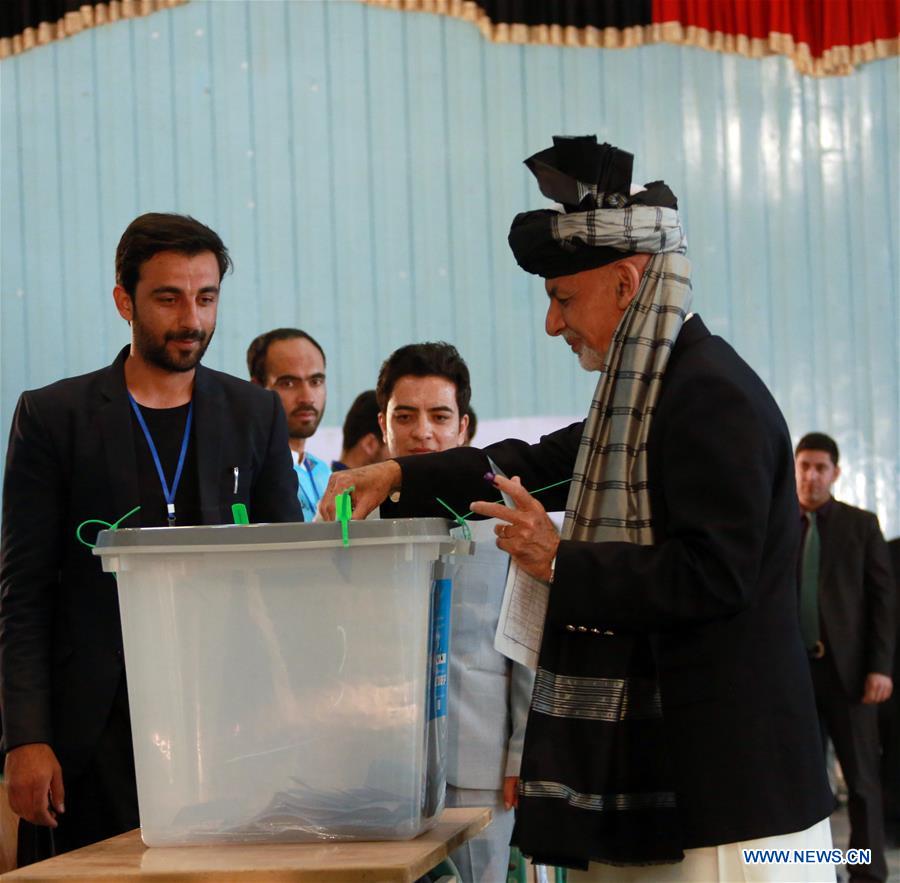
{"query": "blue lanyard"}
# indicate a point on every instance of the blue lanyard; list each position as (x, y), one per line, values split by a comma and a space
(318, 496)
(168, 494)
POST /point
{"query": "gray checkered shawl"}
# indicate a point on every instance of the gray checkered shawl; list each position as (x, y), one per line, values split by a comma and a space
(608, 499)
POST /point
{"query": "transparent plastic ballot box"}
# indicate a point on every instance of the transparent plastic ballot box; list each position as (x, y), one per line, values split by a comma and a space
(285, 686)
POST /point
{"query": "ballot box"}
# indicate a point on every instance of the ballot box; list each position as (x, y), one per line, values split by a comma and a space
(286, 683)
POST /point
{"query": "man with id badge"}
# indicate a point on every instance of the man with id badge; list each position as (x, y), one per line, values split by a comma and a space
(153, 440)
(290, 362)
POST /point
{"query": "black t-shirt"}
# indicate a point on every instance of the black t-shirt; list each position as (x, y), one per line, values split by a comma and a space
(166, 426)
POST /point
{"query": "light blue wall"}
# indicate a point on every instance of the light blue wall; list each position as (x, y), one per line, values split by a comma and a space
(363, 166)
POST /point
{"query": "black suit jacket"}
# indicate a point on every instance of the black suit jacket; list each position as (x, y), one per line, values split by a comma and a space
(894, 551)
(716, 592)
(71, 457)
(856, 596)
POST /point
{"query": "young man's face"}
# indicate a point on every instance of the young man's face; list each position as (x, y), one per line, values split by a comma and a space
(295, 369)
(422, 417)
(816, 474)
(173, 312)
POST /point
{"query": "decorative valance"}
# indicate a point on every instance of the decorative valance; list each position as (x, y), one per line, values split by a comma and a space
(821, 37)
(25, 24)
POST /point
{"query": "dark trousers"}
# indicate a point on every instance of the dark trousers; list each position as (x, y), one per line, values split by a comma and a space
(101, 801)
(853, 729)
(889, 726)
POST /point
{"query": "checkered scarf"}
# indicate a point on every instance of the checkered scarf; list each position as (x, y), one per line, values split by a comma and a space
(608, 499)
(596, 783)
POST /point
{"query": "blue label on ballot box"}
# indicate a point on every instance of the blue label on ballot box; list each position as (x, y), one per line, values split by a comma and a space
(440, 647)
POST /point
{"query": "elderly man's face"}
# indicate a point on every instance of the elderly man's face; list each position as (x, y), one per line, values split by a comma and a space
(586, 307)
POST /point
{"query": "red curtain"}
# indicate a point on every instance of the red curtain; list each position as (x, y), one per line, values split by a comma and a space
(820, 36)
(823, 36)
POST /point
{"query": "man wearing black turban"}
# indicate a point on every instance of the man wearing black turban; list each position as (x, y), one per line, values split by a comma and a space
(672, 721)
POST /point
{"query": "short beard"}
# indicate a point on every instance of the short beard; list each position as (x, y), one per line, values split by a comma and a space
(303, 433)
(157, 354)
(306, 432)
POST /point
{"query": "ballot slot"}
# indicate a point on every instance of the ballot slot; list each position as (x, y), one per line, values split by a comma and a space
(283, 686)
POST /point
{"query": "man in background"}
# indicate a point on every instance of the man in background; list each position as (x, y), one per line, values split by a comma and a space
(155, 437)
(362, 440)
(847, 601)
(889, 726)
(423, 393)
(290, 362)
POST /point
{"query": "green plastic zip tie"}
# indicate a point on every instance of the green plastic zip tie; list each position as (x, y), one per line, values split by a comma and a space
(459, 519)
(239, 513)
(538, 491)
(344, 511)
(105, 524)
(549, 486)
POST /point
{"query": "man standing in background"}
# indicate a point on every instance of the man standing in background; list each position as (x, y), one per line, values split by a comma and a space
(847, 601)
(889, 725)
(290, 362)
(423, 392)
(155, 439)
(362, 438)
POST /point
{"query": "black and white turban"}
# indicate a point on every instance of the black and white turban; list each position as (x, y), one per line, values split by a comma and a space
(599, 219)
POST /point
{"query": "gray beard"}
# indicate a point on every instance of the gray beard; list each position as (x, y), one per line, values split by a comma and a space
(591, 360)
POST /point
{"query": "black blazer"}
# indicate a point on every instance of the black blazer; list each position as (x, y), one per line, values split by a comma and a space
(894, 551)
(857, 597)
(71, 457)
(716, 592)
